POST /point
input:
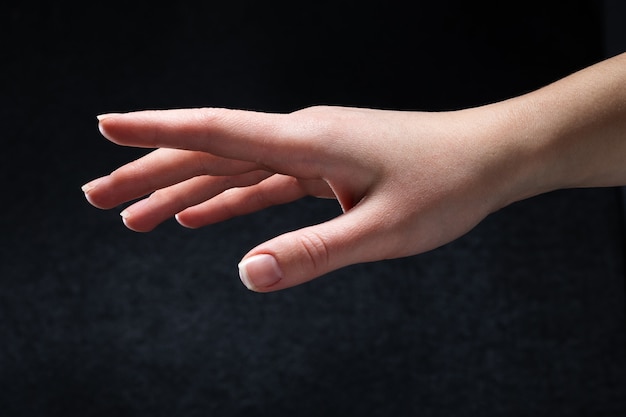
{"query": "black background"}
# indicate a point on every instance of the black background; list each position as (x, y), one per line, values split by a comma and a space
(522, 316)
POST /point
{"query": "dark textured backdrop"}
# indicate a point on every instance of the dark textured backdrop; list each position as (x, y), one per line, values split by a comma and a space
(523, 316)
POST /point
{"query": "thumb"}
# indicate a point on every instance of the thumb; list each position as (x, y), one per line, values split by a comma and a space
(302, 255)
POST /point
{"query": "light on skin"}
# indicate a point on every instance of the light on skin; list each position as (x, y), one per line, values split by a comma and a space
(407, 182)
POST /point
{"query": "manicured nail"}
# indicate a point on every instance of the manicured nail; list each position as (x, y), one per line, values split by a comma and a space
(259, 271)
(89, 186)
(101, 117)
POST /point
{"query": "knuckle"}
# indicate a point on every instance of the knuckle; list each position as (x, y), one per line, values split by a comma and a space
(162, 197)
(315, 248)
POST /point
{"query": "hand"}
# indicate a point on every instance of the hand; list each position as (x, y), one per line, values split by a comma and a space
(408, 182)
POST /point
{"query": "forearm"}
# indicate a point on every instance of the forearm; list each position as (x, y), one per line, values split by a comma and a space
(574, 130)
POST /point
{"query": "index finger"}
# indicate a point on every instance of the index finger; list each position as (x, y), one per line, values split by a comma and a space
(257, 137)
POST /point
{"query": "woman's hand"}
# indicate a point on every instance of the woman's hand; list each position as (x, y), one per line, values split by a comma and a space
(408, 182)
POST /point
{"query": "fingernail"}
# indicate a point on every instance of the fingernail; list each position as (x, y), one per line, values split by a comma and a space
(89, 186)
(259, 271)
(101, 117)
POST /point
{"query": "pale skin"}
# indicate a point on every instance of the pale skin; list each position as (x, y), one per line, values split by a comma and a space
(407, 182)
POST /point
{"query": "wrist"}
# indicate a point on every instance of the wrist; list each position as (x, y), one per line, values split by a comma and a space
(545, 145)
(571, 134)
(519, 161)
